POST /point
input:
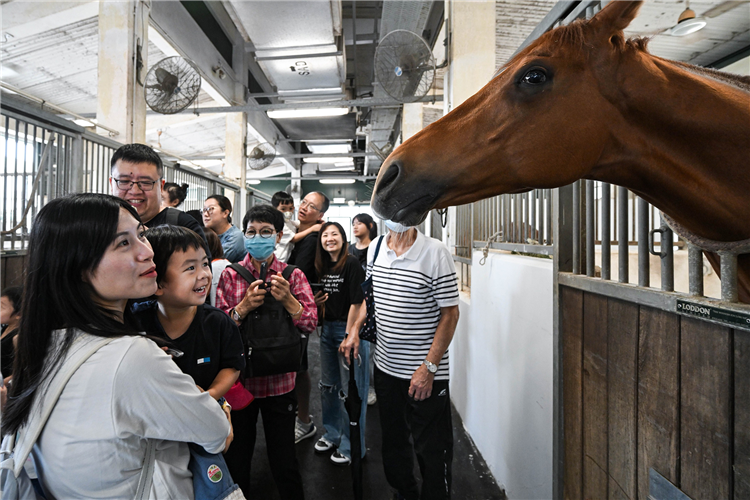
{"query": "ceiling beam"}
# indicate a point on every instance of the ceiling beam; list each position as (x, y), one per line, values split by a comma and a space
(367, 103)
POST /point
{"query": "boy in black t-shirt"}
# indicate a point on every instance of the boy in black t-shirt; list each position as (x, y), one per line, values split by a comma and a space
(203, 341)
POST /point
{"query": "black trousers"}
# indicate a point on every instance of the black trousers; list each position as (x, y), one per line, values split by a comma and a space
(278, 426)
(429, 424)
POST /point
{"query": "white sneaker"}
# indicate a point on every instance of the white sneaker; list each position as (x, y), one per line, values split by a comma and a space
(371, 397)
(340, 459)
(323, 445)
(303, 430)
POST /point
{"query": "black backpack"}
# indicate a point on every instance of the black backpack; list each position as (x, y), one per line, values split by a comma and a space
(273, 345)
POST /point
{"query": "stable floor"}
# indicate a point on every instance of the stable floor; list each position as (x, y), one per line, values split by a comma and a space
(325, 481)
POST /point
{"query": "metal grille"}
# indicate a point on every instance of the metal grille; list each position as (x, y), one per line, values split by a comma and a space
(22, 148)
(96, 166)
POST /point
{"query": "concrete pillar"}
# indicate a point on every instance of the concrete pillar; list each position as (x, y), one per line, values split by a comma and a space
(123, 27)
(411, 122)
(235, 156)
(472, 48)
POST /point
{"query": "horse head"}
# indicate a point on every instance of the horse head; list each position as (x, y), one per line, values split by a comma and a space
(537, 124)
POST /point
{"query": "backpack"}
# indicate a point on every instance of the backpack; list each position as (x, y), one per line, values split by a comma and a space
(273, 344)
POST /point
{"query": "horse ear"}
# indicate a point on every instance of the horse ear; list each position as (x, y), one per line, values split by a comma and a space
(616, 16)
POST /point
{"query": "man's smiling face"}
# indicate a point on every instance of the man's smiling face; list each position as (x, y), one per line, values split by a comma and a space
(146, 202)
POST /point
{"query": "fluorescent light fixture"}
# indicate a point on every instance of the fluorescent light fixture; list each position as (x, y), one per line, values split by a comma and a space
(329, 149)
(307, 112)
(341, 180)
(339, 201)
(348, 160)
(254, 182)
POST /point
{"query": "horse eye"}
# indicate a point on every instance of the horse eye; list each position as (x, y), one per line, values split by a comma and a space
(534, 77)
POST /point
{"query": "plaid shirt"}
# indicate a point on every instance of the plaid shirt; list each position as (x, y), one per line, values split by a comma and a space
(230, 292)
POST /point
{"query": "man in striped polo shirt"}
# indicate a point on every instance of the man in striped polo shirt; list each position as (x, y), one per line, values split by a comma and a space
(416, 311)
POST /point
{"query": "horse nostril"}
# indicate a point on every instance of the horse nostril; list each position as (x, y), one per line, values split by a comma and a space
(389, 176)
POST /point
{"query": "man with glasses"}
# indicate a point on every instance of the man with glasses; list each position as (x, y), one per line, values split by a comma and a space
(312, 208)
(136, 177)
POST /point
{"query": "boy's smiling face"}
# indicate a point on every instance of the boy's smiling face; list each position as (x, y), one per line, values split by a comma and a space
(188, 279)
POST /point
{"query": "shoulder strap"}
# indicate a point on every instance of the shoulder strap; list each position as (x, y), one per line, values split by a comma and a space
(287, 272)
(41, 410)
(147, 472)
(244, 273)
(172, 215)
(377, 249)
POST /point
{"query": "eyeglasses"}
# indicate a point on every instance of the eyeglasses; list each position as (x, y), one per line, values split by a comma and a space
(264, 233)
(207, 210)
(307, 204)
(125, 185)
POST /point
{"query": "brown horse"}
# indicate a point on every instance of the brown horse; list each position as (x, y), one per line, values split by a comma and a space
(583, 102)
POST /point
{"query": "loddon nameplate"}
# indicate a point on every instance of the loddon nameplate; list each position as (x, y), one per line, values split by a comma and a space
(737, 319)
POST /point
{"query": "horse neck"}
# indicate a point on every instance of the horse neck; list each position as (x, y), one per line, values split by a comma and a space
(682, 144)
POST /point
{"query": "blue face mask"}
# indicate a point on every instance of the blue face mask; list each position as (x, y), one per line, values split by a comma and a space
(396, 227)
(260, 248)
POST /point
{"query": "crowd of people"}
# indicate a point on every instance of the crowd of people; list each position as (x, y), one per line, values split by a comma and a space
(191, 331)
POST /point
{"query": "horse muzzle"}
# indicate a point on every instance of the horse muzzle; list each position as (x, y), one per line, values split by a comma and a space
(401, 199)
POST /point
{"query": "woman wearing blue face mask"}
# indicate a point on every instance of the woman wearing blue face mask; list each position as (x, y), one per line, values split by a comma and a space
(274, 394)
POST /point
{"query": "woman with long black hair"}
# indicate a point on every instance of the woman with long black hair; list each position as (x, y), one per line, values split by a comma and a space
(342, 277)
(87, 257)
(364, 230)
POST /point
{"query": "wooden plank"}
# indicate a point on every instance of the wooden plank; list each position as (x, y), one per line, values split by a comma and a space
(705, 412)
(13, 268)
(594, 396)
(571, 303)
(658, 396)
(741, 415)
(622, 371)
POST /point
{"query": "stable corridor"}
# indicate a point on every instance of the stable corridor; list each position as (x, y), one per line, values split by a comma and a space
(325, 481)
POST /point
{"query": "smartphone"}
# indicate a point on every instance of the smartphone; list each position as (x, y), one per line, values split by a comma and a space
(316, 287)
(263, 273)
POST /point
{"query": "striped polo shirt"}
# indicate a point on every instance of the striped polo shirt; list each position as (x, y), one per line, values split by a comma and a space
(409, 291)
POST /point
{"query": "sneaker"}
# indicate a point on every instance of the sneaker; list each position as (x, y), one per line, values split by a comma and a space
(323, 445)
(303, 430)
(371, 397)
(340, 459)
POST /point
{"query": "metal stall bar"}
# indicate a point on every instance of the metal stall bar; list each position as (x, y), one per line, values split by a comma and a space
(728, 276)
(622, 235)
(643, 260)
(590, 237)
(695, 270)
(606, 230)
(577, 227)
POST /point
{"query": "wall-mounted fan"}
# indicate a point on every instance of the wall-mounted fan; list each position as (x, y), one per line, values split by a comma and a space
(261, 156)
(172, 85)
(404, 65)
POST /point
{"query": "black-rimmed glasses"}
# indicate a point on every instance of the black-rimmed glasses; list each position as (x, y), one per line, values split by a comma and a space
(264, 233)
(125, 185)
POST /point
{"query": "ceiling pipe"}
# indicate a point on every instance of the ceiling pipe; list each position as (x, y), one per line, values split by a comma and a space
(296, 155)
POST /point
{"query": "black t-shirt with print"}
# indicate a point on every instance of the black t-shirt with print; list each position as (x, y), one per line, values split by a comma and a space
(343, 289)
(211, 343)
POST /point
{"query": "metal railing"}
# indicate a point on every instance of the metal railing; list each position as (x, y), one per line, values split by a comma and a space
(77, 161)
(596, 238)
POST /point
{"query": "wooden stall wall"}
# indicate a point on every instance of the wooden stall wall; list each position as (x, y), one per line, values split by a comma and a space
(645, 388)
(11, 270)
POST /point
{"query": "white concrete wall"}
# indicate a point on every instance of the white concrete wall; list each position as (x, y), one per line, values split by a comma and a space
(501, 370)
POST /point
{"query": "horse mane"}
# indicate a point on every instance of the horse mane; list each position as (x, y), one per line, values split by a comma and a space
(573, 35)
